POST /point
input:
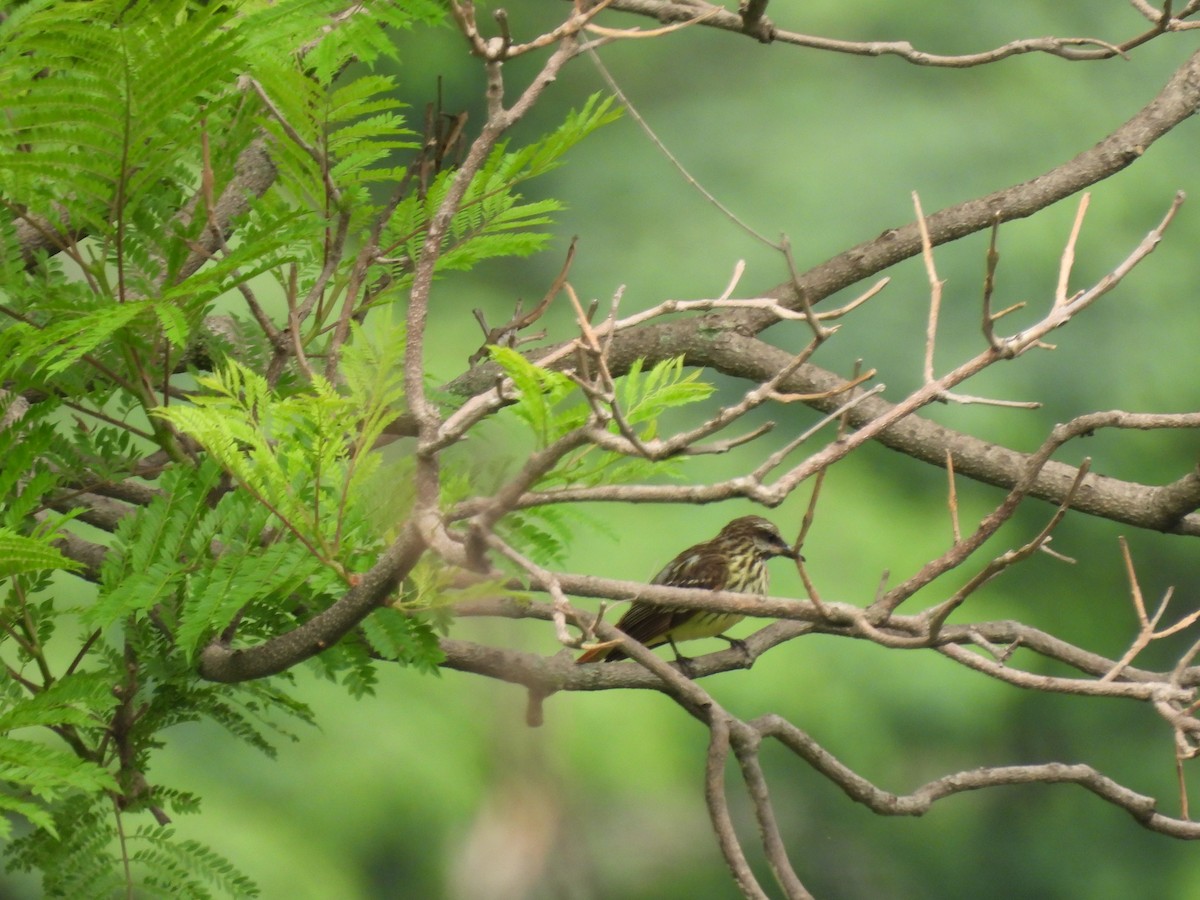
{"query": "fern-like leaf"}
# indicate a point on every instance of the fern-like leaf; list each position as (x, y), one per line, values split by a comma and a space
(19, 553)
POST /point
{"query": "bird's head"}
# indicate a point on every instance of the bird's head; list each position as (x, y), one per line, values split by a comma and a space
(759, 533)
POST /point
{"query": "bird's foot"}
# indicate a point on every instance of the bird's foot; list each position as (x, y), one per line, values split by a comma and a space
(685, 666)
(742, 647)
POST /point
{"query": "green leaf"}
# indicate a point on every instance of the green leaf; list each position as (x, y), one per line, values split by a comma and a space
(403, 637)
(114, 110)
(49, 772)
(373, 371)
(80, 699)
(58, 347)
(37, 815)
(152, 548)
(19, 554)
(186, 865)
(647, 395)
(540, 390)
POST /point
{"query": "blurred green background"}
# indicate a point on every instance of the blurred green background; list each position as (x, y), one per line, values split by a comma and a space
(435, 787)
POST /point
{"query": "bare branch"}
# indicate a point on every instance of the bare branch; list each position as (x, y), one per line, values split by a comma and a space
(1147, 625)
(952, 498)
(1068, 254)
(917, 803)
(718, 811)
(935, 288)
(1177, 101)
(1006, 560)
(1069, 48)
(746, 741)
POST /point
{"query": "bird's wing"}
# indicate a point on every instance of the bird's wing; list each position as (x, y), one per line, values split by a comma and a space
(644, 623)
(699, 567)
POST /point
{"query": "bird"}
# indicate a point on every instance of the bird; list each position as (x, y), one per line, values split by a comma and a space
(735, 560)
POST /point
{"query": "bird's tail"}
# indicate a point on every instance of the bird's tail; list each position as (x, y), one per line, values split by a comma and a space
(601, 653)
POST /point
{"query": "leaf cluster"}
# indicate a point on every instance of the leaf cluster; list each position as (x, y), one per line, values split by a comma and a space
(551, 405)
(165, 354)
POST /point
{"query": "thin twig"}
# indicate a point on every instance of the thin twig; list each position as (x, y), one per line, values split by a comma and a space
(952, 497)
(662, 148)
(992, 260)
(935, 288)
(1067, 261)
(1147, 625)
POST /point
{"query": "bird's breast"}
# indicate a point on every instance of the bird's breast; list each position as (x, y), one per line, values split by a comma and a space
(704, 625)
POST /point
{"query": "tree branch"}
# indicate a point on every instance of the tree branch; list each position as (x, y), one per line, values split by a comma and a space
(758, 27)
(1166, 508)
(917, 803)
(1176, 102)
(221, 662)
(906, 632)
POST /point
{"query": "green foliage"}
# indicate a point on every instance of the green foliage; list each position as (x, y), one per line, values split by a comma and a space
(123, 87)
(26, 476)
(390, 636)
(644, 397)
(72, 700)
(550, 407)
(54, 349)
(75, 854)
(647, 395)
(31, 768)
(169, 864)
(19, 554)
(104, 109)
(493, 220)
(541, 390)
(243, 489)
(305, 457)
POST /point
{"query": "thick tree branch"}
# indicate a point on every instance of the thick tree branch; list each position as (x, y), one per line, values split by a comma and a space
(221, 662)
(1167, 508)
(254, 173)
(1176, 102)
(905, 632)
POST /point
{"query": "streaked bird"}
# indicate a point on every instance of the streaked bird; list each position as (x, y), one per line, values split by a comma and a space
(735, 560)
